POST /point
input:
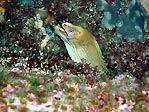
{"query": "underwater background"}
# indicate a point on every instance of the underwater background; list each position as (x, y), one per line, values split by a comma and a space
(38, 75)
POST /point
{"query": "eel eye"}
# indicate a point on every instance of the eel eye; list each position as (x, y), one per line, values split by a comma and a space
(71, 30)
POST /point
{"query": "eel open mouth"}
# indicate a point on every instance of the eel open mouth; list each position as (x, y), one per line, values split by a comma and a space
(62, 33)
(61, 30)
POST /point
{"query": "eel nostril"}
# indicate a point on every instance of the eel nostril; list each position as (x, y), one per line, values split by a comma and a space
(64, 25)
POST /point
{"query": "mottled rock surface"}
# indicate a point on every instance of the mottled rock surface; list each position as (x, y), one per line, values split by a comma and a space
(127, 16)
(145, 4)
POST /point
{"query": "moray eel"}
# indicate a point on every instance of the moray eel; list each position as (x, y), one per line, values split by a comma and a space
(81, 45)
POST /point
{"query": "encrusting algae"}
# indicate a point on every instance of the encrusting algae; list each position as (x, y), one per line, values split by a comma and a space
(81, 45)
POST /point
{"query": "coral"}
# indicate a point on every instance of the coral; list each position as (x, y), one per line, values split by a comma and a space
(130, 56)
(85, 13)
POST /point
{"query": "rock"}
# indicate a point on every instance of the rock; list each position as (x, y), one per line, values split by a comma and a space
(145, 4)
(129, 21)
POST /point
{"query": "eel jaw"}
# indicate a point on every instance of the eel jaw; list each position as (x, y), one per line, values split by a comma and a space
(62, 33)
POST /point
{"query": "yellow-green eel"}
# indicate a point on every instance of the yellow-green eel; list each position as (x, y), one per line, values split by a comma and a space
(81, 45)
